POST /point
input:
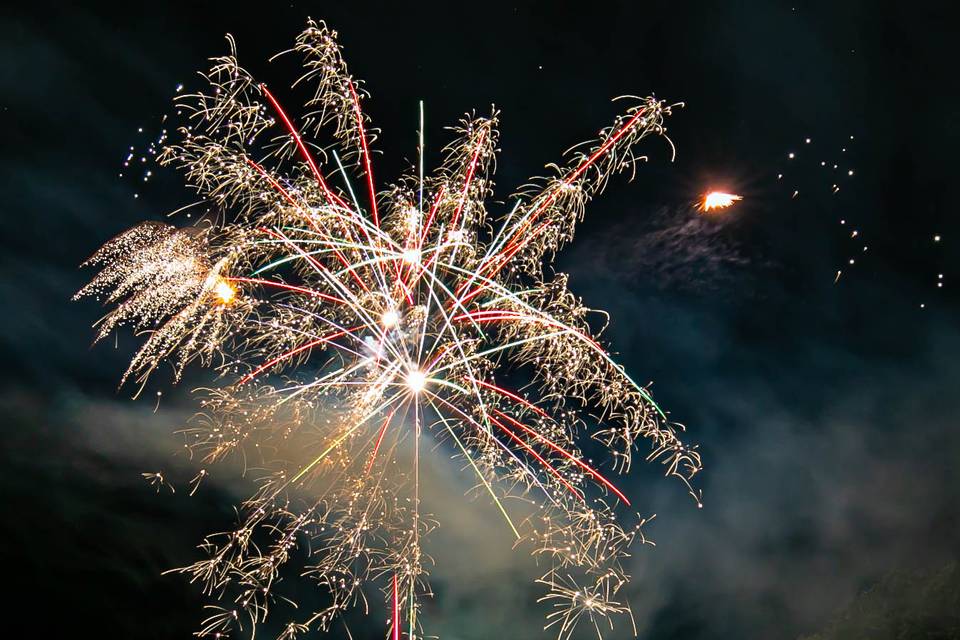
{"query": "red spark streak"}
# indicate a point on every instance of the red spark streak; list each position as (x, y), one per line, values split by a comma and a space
(366, 155)
(501, 259)
(463, 198)
(383, 430)
(473, 294)
(572, 457)
(512, 396)
(289, 287)
(276, 185)
(439, 355)
(433, 212)
(396, 609)
(586, 164)
(494, 315)
(523, 444)
(324, 339)
(466, 183)
(539, 458)
(505, 257)
(404, 273)
(331, 196)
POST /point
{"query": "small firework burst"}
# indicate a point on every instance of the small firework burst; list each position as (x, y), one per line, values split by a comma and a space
(718, 200)
(348, 336)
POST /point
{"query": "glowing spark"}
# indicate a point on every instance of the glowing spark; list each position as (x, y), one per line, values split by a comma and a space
(416, 380)
(390, 319)
(718, 200)
(224, 291)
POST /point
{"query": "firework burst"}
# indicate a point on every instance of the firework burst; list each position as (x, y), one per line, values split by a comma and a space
(349, 324)
(718, 200)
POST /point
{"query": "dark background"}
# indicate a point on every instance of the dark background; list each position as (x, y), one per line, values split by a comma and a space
(826, 412)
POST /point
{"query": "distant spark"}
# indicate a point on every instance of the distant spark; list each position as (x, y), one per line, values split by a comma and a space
(718, 200)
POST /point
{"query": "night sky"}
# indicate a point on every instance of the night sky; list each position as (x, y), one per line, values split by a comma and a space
(826, 411)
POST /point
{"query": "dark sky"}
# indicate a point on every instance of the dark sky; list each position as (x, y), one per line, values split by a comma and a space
(826, 412)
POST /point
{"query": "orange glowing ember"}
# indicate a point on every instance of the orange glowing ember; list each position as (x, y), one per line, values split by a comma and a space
(718, 200)
(224, 291)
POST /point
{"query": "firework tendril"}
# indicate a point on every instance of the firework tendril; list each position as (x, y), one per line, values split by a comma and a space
(349, 324)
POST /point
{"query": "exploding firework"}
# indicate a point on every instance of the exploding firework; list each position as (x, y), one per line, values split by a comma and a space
(718, 200)
(355, 329)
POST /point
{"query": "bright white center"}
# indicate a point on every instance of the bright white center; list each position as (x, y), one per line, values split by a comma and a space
(416, 380)
(412, 215)
(411, 256)
(389, 319)
(224, 291)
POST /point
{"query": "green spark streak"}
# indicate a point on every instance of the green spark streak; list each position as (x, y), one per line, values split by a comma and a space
(346, 179)
(336, 443)
(486, 484)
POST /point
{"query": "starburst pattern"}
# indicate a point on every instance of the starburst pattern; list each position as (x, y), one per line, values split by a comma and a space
(352, 327)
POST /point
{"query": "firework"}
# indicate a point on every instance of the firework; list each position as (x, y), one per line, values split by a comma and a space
(351, 326)
(718, 200)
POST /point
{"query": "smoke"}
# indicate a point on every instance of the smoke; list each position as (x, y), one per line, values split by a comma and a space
(674, 249)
